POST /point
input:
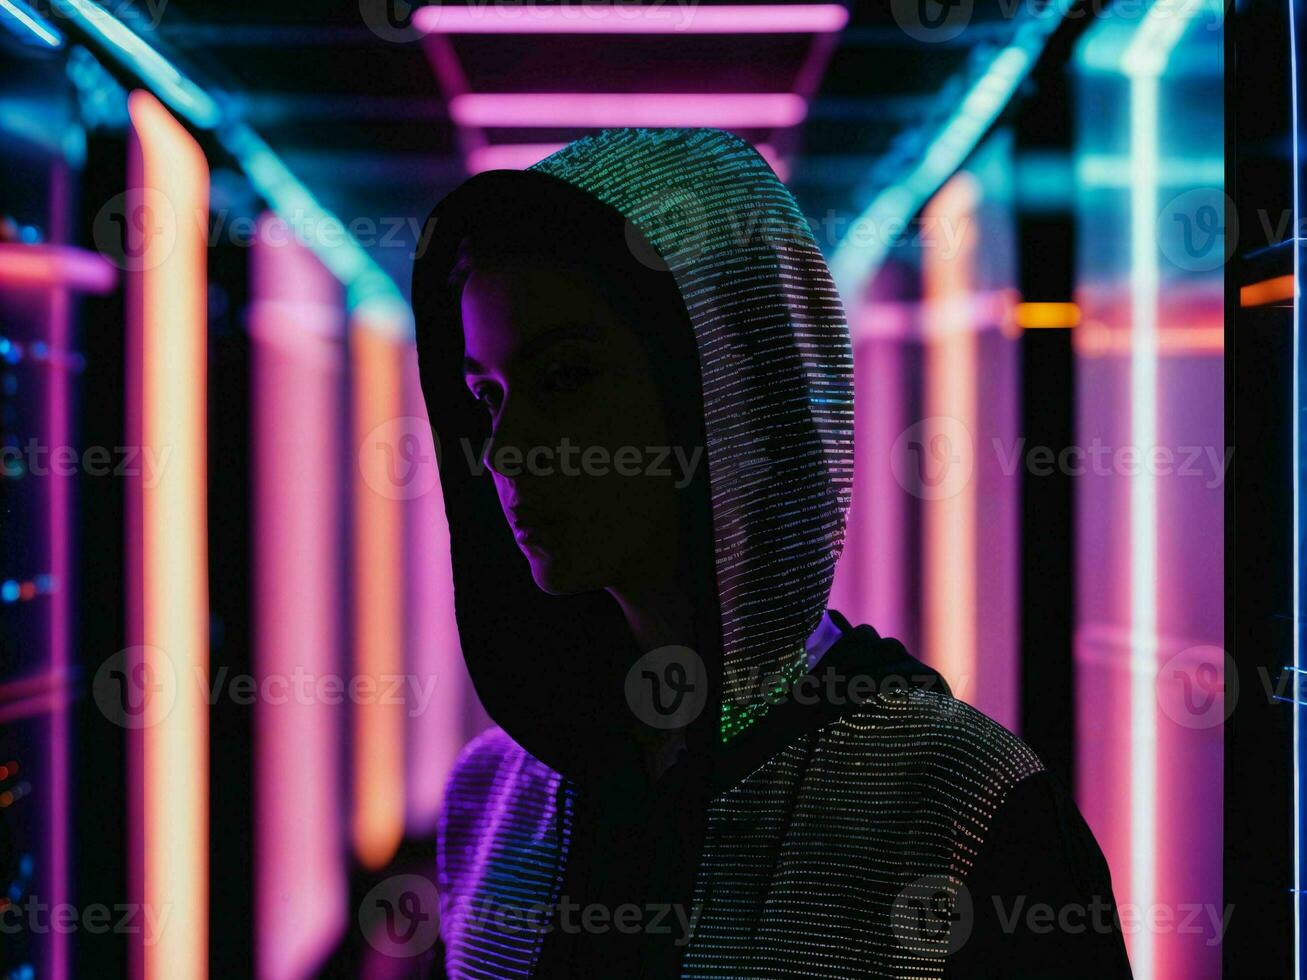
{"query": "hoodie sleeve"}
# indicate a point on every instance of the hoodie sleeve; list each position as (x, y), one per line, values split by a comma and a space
(1041, 894)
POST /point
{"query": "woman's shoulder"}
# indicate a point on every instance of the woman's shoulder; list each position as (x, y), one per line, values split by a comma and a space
(930, 738)
(492, 764)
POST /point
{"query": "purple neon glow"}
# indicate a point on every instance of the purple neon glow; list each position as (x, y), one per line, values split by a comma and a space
(630, 19)
(519, 156)
(296, 323)
(727, 110)
(436, 729)
(59, 432)
(873, 580)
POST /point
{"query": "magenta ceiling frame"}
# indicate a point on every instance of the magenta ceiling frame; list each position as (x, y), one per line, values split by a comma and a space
(743, 110)
(819, 18)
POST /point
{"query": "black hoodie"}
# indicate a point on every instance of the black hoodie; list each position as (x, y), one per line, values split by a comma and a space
(835, 811)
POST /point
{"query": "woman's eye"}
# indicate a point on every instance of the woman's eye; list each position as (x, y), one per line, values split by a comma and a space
(566, 377)
(487, 396)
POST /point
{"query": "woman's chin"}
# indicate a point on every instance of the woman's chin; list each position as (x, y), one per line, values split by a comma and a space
(555, 576)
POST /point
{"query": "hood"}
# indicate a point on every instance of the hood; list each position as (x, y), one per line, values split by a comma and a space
(776, 372)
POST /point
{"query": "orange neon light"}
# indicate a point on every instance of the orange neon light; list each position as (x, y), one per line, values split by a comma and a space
(1276, 290)
(1096, 339)
(1046, 316)
(951, 399)
(378, 805)
(173, 551)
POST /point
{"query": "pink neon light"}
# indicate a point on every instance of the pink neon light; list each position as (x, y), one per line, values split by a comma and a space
(59, 496)
(736, 110)
(630, 19)
(40, 266)
(168, 580)
(436, 719)
(296, 324)
(519, 156)
(377, 818)
(950, 394)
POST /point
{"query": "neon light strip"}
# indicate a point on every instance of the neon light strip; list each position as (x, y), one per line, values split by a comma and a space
(1273, 290)
(172, 586)
(37, 25)
(1144, 60)
(857, 258)
(519, 156)
(948, 586)
(1295, 409)
(598, 109)
(328, 237)
(297, 382)
(59, 535)
(1046, 316)
(627, 19)
(325, 235)
(1097, 340)
(182, 95)
(378, 744)
(44, 266)
(1143, 511)
(435, 733)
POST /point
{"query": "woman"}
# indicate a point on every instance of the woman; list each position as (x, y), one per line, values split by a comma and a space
(640, 379)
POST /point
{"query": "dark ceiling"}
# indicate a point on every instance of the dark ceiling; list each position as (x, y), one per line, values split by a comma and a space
(358, 112)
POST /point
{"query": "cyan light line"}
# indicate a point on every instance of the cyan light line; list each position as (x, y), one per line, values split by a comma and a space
(33, 24)
(126, 47)
(367, 288)
(859, 255)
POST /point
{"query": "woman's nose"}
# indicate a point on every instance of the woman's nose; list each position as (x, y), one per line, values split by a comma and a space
(506, 451)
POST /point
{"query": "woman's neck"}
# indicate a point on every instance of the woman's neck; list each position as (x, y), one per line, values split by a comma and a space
(657, 616)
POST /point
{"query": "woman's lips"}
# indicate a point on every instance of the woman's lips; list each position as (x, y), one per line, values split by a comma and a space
(534, 531)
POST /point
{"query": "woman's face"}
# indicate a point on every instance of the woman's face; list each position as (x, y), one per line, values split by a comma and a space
(579, 443)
